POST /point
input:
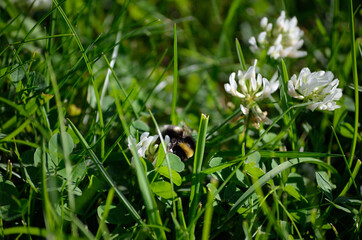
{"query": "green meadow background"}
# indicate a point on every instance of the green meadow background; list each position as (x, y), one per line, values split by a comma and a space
(65, 164)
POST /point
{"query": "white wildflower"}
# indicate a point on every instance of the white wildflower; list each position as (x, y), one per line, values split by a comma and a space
(251, 88)
(283, 39)
(145, 143)
(318, 88)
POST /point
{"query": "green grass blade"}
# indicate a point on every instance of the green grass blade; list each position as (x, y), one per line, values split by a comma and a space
(40, 232)
(351, 179)
(271, 174)
(355, 80)
(290, 154)
(196, 188)
(164, 147)
(89, 67)
(240, 55)
(290, 218)
(106, 176)
(285, 99)
(105, 213)
(224, 46)
(209, 208)
(150, 203)
(175, 78)
(68, 164)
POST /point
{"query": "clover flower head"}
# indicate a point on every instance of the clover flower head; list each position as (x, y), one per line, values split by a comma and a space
(283, 39)
(251, 88)
(318, 88)
(146, 144)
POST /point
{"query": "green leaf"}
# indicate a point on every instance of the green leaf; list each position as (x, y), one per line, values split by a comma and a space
(346, 130)
(117, 214)
(240, 176)
(292, 192)
(141, 126)
(254, 157)
(160, 156)
(176, 178)
(38, 81)
(7, 191)
(253, 170)
(49, 164)
(78, 171)
(18, 74)
(55, 147)
(175, 162)
(295, 186)
(325, 184)
(214, 162)
(10, 209)
(162, 189)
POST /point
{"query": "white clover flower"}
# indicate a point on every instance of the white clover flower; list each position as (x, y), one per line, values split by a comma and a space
(318, 88)
(144, 144)
(283, 39)
(251, 88)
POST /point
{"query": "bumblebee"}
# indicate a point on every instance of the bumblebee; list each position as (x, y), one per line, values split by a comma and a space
(181, 142)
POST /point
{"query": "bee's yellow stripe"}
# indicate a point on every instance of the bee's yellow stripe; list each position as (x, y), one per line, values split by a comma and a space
(188, 151)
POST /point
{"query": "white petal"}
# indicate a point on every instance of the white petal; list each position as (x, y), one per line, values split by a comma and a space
(261, 37)
(244, 110)
(263, 22)
(269, 27)
(227, 87)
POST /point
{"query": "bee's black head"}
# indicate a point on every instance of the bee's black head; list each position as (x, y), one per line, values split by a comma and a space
(181, 142)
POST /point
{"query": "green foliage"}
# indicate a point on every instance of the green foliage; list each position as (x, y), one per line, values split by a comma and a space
(79, 80)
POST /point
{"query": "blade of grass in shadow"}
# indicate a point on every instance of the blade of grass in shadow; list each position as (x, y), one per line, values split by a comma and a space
(224, 46)
(180, 213)
(105, 214)
(290, 154)
(50, 217)
(196, 188)
(120, 85)
(355, 80)
(158, 80)
(106, 176)
(175, 78)
(66, 154)
(164, 147)
(352, 179)
(89, 68)
(212, 131)
(271, 174)
(285, 99)
(150, 203)
(240, 55)
(209, 208)
(29, 33)
(105, 86)
(351, 175)
(291, 218)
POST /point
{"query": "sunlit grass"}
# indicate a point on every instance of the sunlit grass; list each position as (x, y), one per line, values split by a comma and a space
(80, 79)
